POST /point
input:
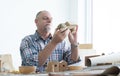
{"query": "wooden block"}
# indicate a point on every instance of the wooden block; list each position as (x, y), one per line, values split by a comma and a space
(53, 66)
(62, 65)
(85, 46)
(75, 68)
(6, 62)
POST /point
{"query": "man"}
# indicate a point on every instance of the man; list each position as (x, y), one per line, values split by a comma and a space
(40, 48)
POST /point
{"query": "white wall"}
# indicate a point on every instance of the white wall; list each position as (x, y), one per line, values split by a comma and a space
(84, 21)
(17, 21)
(106, 26)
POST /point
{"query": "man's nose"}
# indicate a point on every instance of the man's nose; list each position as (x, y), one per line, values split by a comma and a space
(49, 20)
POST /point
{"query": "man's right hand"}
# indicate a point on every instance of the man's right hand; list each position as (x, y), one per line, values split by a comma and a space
(59, 36)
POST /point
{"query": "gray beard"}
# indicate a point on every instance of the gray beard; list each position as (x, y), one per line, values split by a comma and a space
(47, 29)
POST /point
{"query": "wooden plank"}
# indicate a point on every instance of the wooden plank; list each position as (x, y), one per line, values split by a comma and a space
(85, 46)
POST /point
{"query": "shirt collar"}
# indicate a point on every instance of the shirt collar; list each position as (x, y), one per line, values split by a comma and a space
(37, 36)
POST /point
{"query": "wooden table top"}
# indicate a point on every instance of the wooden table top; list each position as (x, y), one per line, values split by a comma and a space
(89, 71)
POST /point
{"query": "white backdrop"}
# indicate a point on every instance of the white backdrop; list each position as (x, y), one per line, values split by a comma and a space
(17, 21)
(106, 26)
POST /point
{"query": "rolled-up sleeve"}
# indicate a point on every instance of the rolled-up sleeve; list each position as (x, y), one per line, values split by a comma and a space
(28, 53)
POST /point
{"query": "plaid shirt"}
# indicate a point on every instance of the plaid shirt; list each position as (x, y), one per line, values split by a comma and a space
(31, 45)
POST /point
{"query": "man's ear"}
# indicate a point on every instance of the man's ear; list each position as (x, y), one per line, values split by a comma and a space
(36, 20)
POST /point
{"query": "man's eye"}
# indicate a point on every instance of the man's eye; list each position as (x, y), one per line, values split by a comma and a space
(45, 18)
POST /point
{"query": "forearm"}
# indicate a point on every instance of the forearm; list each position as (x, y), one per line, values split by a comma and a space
(45, 53)
(74, 52)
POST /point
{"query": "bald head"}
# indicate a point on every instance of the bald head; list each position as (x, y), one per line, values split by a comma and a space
(40, 12)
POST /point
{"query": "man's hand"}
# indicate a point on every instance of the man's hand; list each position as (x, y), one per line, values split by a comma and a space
(59, 36)
(73, 36)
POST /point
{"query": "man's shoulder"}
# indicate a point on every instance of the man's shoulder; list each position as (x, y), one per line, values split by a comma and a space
(28, 37)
